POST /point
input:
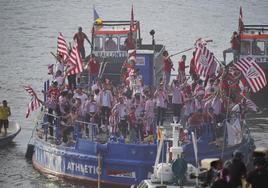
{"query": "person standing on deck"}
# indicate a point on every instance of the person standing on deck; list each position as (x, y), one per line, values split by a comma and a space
(106, 102)
(181, 70)
(176, 99)
(94, 67)
(92, 110)
(168, 66)
(161, 98)
(192, 70)
(235, 47)
(121, 108)
(79, 37)
(149, 114)
(5, 112)
(79, 94)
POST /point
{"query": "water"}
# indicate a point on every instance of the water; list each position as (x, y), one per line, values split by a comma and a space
(29, 30)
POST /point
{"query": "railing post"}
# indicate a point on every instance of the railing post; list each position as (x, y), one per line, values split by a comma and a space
(45, 126)
(57, 130)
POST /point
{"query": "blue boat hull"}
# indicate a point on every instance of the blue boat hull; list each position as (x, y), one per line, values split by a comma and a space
(121, 164)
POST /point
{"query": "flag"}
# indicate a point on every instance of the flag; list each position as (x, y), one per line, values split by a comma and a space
(131, 19)
(62, 47)
(75, 61)
(95, 14)
(240, 21)
(50, 68)
(252, 72)
(30, 90)
(251, 105)
(203, 59)
(234, 132)
(96, 17)
(34, 103)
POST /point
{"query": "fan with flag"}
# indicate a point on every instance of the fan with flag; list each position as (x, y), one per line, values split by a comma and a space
(252, 72)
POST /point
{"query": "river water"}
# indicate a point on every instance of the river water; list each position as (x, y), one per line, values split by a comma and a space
(29, 29)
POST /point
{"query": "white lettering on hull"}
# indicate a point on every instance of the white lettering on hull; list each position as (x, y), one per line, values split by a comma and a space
(82, 168)
(111, 54)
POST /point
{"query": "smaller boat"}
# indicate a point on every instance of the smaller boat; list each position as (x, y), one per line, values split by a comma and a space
(175, 172)
(12, 131)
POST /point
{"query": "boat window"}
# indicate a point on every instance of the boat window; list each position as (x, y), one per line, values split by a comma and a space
(245, 48)
(111, 43)
(122, 45)
(258, 48)
(98, 43)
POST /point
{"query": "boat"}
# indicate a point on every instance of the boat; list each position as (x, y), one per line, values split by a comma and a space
(12, 131)
(95, 157)
(116, 163)
(148, 57)
(254, 44)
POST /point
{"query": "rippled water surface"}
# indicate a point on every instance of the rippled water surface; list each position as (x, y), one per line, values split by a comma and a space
(28, 32)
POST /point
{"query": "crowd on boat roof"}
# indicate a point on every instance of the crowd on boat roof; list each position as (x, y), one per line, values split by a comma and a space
(133, 110)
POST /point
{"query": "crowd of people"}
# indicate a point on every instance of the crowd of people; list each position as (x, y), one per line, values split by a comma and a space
(234, 173)
(129, 108)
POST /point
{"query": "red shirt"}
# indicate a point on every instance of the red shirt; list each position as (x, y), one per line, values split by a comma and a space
(196, 119)
(80, 37)
(131, 118)
(54, 93)
(93, 66)
(192, 66)
(182, 65)
(167, 65)
(235, 43)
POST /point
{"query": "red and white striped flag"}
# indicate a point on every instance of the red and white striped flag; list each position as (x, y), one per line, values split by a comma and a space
(34, 103)
(251, 105)
(252, 72)
(30, 90)
(203, 59)
(75, 61)
(62, 47)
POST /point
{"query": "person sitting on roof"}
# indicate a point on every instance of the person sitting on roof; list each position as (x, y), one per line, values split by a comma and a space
(110, 44)
(235, 46)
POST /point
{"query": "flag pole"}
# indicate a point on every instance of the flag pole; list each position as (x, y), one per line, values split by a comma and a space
(188, 49)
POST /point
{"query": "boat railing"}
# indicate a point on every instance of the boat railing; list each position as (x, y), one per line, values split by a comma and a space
(57, 129)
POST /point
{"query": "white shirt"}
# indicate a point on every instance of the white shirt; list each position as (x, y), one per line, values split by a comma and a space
(160, 98)
(82, 97)
(106, 98)
(176, 95)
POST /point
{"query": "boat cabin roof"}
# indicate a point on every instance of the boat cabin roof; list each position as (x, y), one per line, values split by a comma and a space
(254, 32)
(115, 27)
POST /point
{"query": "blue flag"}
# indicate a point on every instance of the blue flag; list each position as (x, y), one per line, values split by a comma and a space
(95, 14)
